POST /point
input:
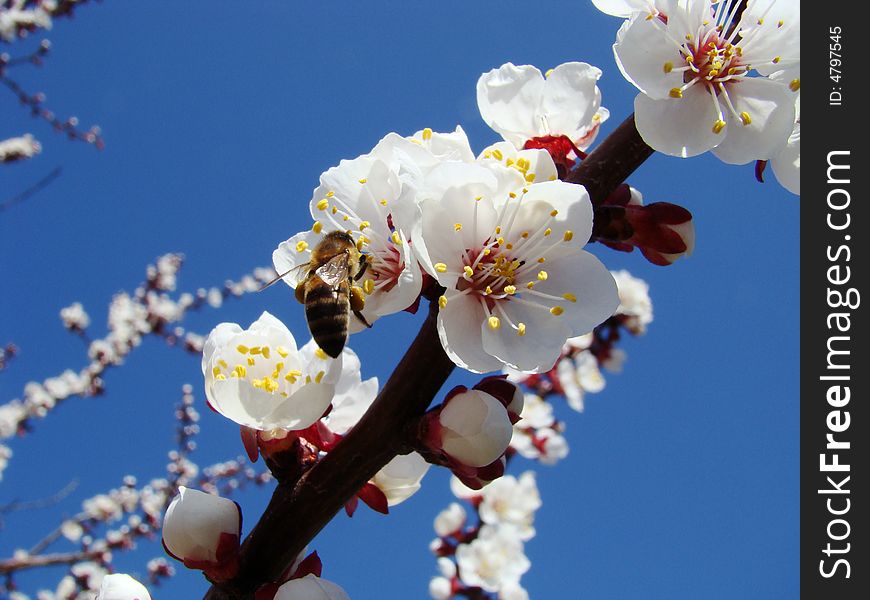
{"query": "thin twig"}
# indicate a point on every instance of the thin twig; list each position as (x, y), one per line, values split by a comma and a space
(32, 190)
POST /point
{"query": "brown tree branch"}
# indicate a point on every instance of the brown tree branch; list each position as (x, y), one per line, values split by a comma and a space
(297, 512)
(30, 561)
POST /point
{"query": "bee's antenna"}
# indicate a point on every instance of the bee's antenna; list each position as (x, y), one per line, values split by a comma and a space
(276, 279)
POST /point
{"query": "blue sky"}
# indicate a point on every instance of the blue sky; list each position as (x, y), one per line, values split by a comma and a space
(682, 481)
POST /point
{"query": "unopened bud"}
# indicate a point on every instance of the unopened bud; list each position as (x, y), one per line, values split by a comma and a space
(310, 587)
(471, 428)
(203, 531)
(119, 586)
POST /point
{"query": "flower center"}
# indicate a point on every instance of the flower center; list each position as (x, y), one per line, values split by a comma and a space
(263, 367)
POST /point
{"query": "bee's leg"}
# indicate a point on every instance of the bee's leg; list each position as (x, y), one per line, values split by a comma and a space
(357, 303)
(300, 292)
(362, 270)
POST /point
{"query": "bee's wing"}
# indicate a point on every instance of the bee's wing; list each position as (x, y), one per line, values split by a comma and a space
(335, 270)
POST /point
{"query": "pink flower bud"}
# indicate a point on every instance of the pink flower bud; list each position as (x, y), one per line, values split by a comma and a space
(310, 587)
(119, 586)
(472, 428)
(203, 531)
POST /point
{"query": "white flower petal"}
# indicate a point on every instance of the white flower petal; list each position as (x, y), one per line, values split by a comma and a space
(459, 330)
(678, 126)
(508, 99)
(771, 108)
(642, 50)
(787, 163)
(310, 587)
(570, 97)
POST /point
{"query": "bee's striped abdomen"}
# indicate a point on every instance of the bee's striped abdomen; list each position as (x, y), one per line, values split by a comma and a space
(326, 310)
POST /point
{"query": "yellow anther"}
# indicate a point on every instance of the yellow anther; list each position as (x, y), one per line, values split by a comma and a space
(530, 177)
(780, 23)
(487, 291)
(487, 251)
(363, 180)
(675, 93)
(346, 218)
(469, 272)
(242, 349)
(442, 301)
(568, 235)
(289, 378)
(525, 235)
(256, 350)
(319, 377)
(497, 154)
(668, 67)
(718, 126)
(295, 373)
(515, 264)
(530, 285)
(478, 198)
(266, 351)
(307, 379)
(512, 194)
(510, 290)
(760, 21)
(457, 227)
(223, 364)
(522, 164)
(497, 229)
(569, 297)
(690, 58)
(383, 201)
(487, 154)
(776, 59)
(317, 227)
(744, 116)
(368, 286)
(509, 246)
(301, 246)
(278, 368)
(441, 267)
(548, 231)
(542, 260)
(282, 351)
(689, 37)
(319, 353)
(521, 329)
(363, 225)
(216, 371)
(494, 323)
(542, 276)
(397, 239)
(509, 162)
(359, 244)
(556, 311)
(554, 212)
(323, 204)
(330, 194)
(549, 72)
(220, 377)
(239, 371)
(427, 134)
(251, 361)
(794, 85)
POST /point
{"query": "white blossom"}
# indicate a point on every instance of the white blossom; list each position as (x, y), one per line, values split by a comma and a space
(634, 301)
(492, 560)
(512, 501)
(786, 163)
(257, 377)
(474, 427)
(693, 72)
(310, 587)
(119, 586)
(198, 527)
(518, 282)
(400, 478)
(450, 520)
(17, 148)
(521, 103)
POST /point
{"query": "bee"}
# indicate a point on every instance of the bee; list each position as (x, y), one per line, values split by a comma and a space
(328, 291)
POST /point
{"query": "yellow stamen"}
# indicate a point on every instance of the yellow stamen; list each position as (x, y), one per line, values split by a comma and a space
(718, 126)
(794, 85)
(510, 290)
(548, 231)
(554, 212)
(368, 286)
(317, 227)
(251, 361)
(530, 177)
(282, 351)
(530, 285)
(363, 180)
(319, 377)
(568, 235)
(256, 350)
(319, 353)
(542, 260)
(569, 297)
(442, 301)
(468, 271)
(323, 204)
(457, 227)
(744, 116)
(216, 371)
(542, 276)
(242, 349)
(556, 311)
(330, 194)
(675, 93)
(427, 134)
(494, 323)
(497, 154)
(220, 377)
(301, 246)
(397, 239)
(441, 267)
(668, 67)
(521, 329)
